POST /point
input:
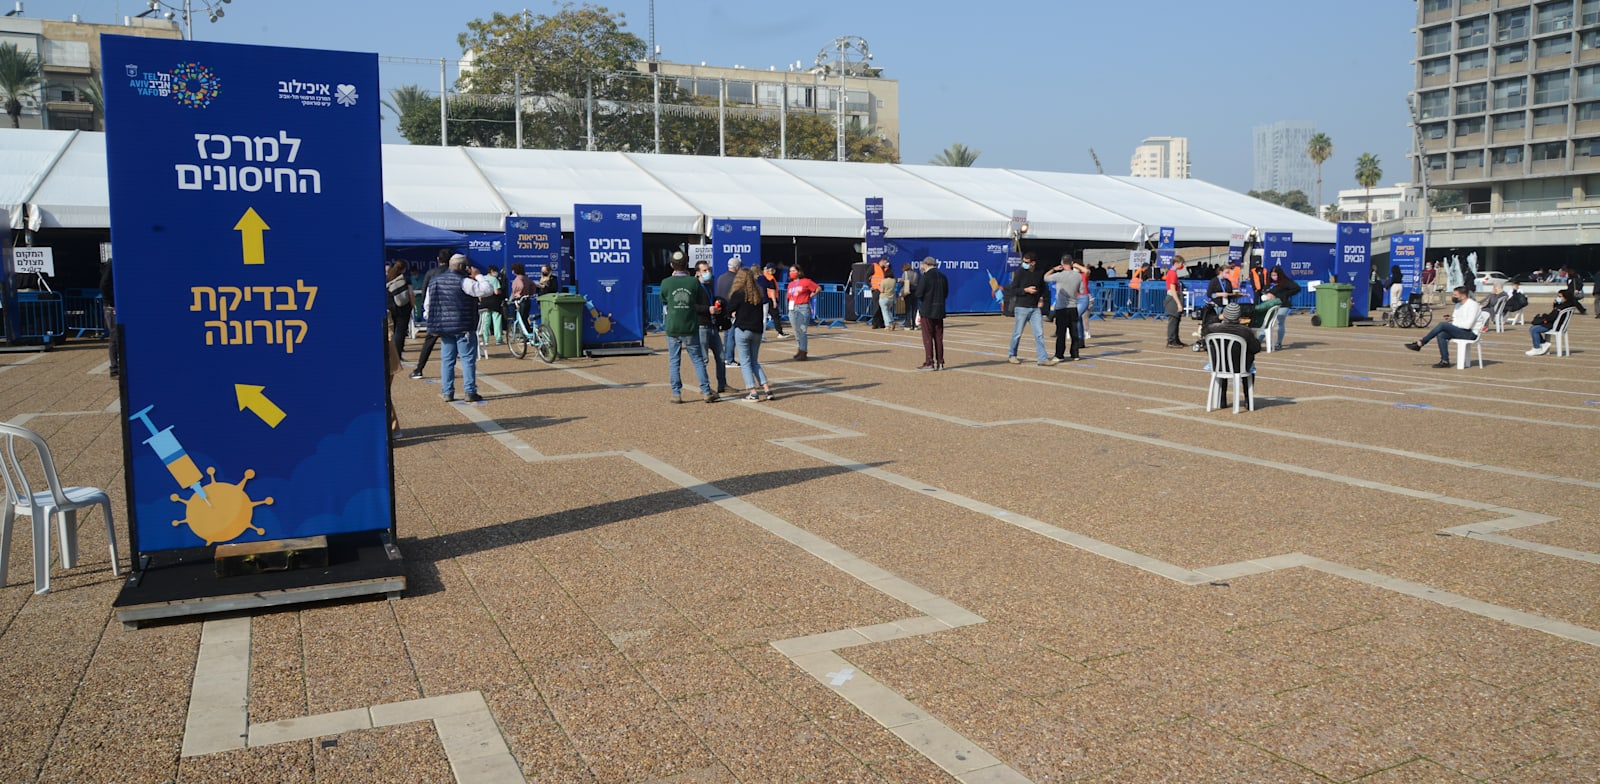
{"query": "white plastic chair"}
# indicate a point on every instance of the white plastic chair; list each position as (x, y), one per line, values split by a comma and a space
(1558, 333)
(1498, 313)
(1268, 331)
(1227, 353)
(59, 504)
(1460, 345)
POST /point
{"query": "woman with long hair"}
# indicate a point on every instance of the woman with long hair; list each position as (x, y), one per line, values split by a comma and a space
(400, 304)
(745, 303)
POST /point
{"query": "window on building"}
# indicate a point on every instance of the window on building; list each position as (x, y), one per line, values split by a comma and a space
(1430, 6)
(1588, 82)
(1507, 154)
(1471, 60)
(1590, 12)
(1511, 93)
(741, 92)
(1436, 162)
(1509, 122)
(1554, 17)
(1553, 115)
(1553, 47)
(1469, 126)
(1473, 32)
(1586, 148)
(1511, 25)
(1470, 159)
(1472, 98)
(1588, 111)
(1509, 55)
(1436, 40)
(1439, 66)
(1552, 87)
(1548, 151)
(1433, 105)
(1589, 40)
(1433, 130)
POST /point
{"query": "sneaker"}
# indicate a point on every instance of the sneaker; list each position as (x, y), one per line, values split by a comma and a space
(416, 374)
(1414, 346)
(1014, 360)
(448, 398)
(753, 397)
(766, 396)
(1442, 364)
(1544, 348)
(731, 363)
(712, 397)
(677, 398)
(1053, 361)
(722, 389)
(473, 397)
(926, 366)
(938, 366)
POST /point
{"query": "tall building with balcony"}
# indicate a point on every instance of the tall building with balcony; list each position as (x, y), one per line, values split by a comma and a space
(69, 53)
(1281, 161)
(1161, 156)
(1508, 102)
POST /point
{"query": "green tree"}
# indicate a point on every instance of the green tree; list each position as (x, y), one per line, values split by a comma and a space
(1295, 200)
(21, 75)
(956, 154)
(1368, 172)
(1320, 148)
(1446, 199)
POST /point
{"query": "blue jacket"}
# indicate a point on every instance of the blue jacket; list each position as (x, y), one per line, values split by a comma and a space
(450, 310)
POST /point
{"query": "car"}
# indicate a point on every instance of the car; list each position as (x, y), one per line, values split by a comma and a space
(1488, 278)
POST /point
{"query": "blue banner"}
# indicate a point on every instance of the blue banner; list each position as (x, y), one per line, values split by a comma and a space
(534, 242)
(736, 239)
(1311, 261)
(247, 210)
(1168, 246)
(976, 269)
(486, 249)
(1277, 251)
(876, 233)
(1355, 264)
(1406, 252)
(608, 243)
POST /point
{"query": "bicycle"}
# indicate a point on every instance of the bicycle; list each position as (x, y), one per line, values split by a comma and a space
(526, 330)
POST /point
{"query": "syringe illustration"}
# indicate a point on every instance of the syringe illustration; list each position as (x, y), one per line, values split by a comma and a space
(166, 447)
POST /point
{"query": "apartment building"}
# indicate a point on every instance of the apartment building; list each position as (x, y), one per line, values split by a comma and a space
(1161, 156)
(69, 52)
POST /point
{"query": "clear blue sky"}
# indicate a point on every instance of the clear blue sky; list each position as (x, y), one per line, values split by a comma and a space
(1030, 83)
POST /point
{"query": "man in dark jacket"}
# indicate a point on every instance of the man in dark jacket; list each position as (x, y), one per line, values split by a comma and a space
(108, 298)
(1028, 295)
(932, 290)
(451, 309)
(1229, 325)
(710, 321)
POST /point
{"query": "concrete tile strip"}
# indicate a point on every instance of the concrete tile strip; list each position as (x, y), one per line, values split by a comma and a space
(25, 360)
(219, 708)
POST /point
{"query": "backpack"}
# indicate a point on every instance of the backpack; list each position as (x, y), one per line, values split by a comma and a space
(400, 292)
(1517, 301)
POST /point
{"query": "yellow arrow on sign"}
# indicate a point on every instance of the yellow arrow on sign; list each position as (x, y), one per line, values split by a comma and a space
(250, 227)
(251, 397)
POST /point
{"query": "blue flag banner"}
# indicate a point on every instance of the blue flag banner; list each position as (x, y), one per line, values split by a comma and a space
(736, 239)
(1167, 247)
(1276, 251)
(1355, 264)
(876, 233)
(1311, 261)
(976, 269)
(247, 205)
(608, 243)
(1406, 252)
(534, 242)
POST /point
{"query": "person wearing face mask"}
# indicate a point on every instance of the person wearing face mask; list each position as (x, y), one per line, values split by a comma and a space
(710, 321)
(1459, 327)
(1028, 292)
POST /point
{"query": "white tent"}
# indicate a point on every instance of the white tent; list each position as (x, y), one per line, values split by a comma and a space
(56, 179)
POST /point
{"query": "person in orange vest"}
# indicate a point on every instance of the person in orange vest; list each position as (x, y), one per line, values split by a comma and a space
(880, 271)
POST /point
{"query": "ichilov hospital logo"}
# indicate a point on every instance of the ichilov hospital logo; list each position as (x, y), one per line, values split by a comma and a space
(190, 84)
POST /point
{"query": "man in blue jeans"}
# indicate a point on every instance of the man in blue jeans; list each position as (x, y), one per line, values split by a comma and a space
(706, 324)
(451, 310)
(1459, 327)
(682, 297)
(1028, 295)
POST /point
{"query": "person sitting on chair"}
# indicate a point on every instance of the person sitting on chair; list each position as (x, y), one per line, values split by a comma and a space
(1229, 325)
(1544, 321)
(1459, 327)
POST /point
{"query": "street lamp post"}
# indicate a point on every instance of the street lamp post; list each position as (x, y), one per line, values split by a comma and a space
(211, 8)
(844, 45)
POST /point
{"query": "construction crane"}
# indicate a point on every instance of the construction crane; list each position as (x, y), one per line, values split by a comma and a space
(1097, 166)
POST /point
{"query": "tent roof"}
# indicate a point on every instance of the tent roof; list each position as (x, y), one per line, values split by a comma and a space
(60, 177)
(403, 231)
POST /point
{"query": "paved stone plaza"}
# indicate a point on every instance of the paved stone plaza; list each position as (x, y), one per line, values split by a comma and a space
(1386, 573)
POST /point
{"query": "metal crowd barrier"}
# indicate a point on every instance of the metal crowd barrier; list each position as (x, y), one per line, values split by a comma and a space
(827, 305)
(1306, 299)
(84, 312)
(40, 316)
(654, 312)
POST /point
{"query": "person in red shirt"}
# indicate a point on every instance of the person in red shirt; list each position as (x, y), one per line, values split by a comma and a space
(801, 290)
(1174, 303)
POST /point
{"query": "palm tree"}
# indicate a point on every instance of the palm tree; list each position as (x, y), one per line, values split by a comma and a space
(1368, 172)
(20, 75)
(407, 99)
(956, 154)
(1320, 148)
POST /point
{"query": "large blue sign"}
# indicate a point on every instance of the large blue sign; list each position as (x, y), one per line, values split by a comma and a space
(1275, 252)
(608, 245)
(534, 242)
(976, 269)
(1311, 261)
(876, 232)
(1405, 252)
(736, 239)
(247, 217)
(1167, 246)
(1354, 242)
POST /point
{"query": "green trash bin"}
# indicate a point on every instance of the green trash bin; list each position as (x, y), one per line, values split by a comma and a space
(563, 313)
(1333, 304)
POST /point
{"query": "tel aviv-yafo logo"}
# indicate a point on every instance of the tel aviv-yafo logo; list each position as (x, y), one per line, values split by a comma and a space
(592, 216)
(190, 84)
